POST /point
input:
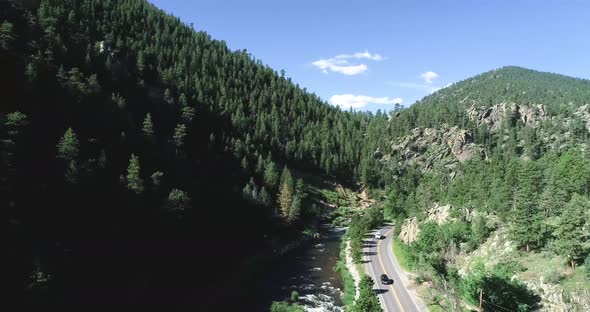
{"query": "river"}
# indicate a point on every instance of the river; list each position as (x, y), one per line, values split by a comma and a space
(308, 269)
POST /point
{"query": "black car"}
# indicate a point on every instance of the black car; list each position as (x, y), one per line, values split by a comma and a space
(385, 280)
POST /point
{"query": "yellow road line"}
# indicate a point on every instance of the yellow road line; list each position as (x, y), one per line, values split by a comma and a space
(383, 267)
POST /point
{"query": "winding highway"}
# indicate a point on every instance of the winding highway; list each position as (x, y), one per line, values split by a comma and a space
(378, 259)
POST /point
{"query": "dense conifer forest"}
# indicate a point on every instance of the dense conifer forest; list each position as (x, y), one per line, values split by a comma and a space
(133, 148)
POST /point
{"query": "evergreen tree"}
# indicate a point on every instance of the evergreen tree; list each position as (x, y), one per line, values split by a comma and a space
(247, 192)
(287, 178)
(134, 181)
(285, 200)
(148, 126)
(68, 146)
(570, 236)
(295, 210)
(188, 114)
(260, 168)
(271, 176)
(527, 223)
(156, 178)
(367, 301)
(15, 122)
(264, 197)
(6, 35)
(179, 135)
(178, 202)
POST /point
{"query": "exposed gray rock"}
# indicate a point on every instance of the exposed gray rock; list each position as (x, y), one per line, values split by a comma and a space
(583, 112)
(439, 214)
(433, 147)
(409, 230)
(494, 116)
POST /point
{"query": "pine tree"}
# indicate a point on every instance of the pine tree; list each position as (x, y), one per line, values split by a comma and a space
(570, 234)
(15, 122)
(285, 200)
(156, 178)
(264, 197)
(68, 146)
(178, 202)
(188, 114)
(271, 176)
(148, 126)
(295, 210)
(287, 177)
(247, 192)
(6, 35)
(260, 165)
(179, 135)
(367, 301)
(134, 181)
(527, 225)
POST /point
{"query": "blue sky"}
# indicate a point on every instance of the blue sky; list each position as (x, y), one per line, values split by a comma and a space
(373, 53)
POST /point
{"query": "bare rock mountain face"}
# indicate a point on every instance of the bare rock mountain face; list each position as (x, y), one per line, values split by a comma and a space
(494, 116)
(437, 147)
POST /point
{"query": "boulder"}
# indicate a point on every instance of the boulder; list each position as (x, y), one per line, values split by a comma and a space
(439, 214)
(409, 230)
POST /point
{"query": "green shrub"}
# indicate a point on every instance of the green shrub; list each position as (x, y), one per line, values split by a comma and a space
(294, 296)
(553, 276)
(498, 287)
(587, 266)
(349, 288)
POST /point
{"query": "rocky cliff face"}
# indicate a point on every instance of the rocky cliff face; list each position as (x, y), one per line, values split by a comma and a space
(439, 214)
(437, 147)
(583, 112)
(409, 230)
(494, 116)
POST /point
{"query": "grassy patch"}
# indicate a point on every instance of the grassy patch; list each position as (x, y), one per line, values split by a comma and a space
(347, 279)
(542, 265)
(403, 255)
(434, 308)
(360, 267)
(576, 281)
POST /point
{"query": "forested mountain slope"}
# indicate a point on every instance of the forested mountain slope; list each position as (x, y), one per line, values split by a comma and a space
(501, 156)
(559, 94)
(134, 147)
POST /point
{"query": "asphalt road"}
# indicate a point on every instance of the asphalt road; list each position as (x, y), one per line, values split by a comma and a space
(379, 259)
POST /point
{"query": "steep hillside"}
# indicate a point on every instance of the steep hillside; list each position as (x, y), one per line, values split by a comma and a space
(508, 110)
(560, 95)
(139, 155)
(506, 153)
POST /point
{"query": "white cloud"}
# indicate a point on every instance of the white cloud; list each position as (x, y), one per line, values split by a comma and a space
(361, 55)
(339, 66)
(429, 76)
(359, 101)
(340, 63)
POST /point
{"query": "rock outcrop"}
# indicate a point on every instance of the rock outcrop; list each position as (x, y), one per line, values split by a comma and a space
(409, 230)
(583, 112)
(556, 299)
(439, 214)
(494, 116)
(432, 147)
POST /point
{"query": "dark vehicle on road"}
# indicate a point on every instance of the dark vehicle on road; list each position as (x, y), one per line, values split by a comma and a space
(385, 280)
